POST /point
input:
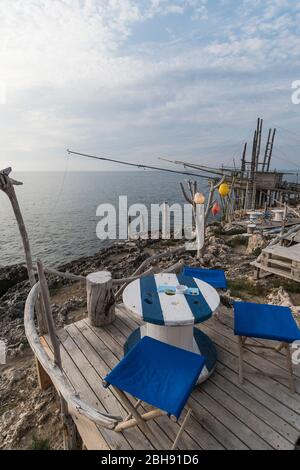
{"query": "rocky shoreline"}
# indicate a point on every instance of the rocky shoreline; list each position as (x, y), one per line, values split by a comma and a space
(29, 418)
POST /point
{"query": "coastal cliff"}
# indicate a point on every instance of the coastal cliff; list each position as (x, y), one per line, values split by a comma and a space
(29, 418)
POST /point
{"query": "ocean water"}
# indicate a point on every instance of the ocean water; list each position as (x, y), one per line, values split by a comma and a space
(59, 209)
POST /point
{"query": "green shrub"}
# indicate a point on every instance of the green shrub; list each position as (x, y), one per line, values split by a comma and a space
(240, 287)
(257, 251)
(39, 444)
(288, 285)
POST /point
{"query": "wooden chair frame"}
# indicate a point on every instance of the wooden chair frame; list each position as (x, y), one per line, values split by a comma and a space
(134, 418)
(242, 342)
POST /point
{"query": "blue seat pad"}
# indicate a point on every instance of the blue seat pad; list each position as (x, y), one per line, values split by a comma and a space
(272, 322)
(159, 374)
(214, 277)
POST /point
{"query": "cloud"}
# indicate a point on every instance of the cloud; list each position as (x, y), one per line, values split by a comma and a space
(83, 74)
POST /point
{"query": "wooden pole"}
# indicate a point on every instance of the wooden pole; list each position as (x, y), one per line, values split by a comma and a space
(243, 165)
(69, 428)
(45, 295)
(7, 186)
(266, 150)
(100, 298)
(259, 130)
(271, 150)
(190, 199)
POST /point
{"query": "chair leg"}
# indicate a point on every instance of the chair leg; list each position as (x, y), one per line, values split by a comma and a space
(240, 352)
(136, 405)
(137, 417)
(182, 428)
(290, 367)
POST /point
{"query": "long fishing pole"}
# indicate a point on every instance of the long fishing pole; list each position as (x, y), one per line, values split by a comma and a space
(137, 165)
(205, 169)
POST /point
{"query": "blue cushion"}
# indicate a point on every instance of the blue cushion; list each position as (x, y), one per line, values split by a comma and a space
(159, 374)
(265, 321)
(214, 277)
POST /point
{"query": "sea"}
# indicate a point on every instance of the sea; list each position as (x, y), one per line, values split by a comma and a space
(60, 209)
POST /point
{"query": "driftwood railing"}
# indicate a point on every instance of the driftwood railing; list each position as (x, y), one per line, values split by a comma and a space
(71, 404)
(103, 290)
(101, 311)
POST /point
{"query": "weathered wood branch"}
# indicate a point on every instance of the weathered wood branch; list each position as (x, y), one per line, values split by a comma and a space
(46, 302)
(7, 186)
(174, 268)
(117, 282)
(138, 272)
(67, 275)
(186, 197)
(75, 404)
(213, 188)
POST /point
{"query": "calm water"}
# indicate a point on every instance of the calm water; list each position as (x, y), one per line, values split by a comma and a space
(60, 210)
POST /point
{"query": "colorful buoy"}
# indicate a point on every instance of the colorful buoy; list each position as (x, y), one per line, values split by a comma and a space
(199, 198)
(224, 190)
(216, 209)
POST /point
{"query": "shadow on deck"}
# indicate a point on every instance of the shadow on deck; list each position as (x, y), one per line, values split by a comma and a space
(261, 414)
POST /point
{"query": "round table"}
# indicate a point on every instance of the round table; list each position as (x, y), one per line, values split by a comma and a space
(171, 318)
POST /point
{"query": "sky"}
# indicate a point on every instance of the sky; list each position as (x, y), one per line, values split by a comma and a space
(142, 79)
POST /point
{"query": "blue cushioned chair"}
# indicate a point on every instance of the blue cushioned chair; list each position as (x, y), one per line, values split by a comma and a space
(214, 277)
(270, 322)
(158, 374)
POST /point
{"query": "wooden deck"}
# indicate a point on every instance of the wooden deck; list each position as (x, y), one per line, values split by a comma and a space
(261, 414)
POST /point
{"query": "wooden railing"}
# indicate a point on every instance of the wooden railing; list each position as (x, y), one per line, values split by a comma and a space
(101, 311)
(71, 404)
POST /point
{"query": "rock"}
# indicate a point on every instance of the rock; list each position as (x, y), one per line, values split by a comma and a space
(208, 258)
(213, 240)
(212, 250)
(255, 241)
(281, 297)
(217, 265)
(21, 349)
(224, 249)
(10, 276)
(233, 229)
(17, 375)
(8, 417)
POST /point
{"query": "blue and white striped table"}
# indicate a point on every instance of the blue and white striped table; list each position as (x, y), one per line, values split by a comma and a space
(171, 318)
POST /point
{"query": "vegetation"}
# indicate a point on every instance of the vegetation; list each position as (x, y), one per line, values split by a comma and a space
(240, 287)
(39, 444)
(237, 241)
(257, 251)
(288, 285)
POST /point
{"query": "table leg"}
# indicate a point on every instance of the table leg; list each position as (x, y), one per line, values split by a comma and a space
(180, 336)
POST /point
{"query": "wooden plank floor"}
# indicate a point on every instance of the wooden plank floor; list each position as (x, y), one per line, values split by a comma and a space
(261, 414)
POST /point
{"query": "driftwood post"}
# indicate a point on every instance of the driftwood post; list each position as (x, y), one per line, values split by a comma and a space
(7, 186)
(100, 298)
(190, 198)
(69, 429)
